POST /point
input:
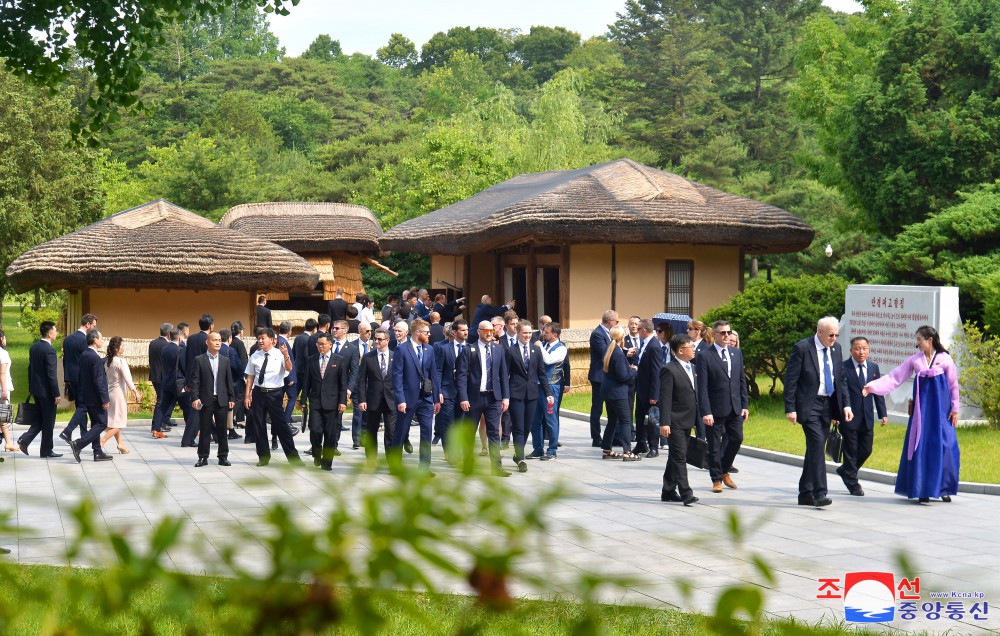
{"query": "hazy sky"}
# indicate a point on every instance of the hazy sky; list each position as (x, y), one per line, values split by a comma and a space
(363, 27)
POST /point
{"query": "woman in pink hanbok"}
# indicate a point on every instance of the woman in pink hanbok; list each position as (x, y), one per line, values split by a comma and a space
(929, 463)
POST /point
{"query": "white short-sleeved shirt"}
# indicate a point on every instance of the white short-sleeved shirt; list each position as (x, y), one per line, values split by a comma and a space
(274, 374)
(5, 359)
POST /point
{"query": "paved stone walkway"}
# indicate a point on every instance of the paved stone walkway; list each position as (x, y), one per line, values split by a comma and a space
(626, 529)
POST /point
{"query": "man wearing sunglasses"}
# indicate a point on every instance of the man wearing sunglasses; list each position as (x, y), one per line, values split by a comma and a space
(484, 389)
(723, 402)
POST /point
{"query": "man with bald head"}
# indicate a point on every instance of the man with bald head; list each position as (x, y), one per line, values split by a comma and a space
(483, 388)
(600, 340)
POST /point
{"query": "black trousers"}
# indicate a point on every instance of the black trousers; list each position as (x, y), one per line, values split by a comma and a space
(262, 404)
(596, 408)
(647, 436)
(619, 425)
(324, 432)
(385, 416)
(192, 420)
(213, 414)
(857, 450)
(45, 426)
(675, 475)
(816, 427)
(522, 412)
(490, 407)
(155, 425)
(98, 423)
(725, 437)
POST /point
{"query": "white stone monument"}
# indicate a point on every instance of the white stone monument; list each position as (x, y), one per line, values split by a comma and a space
(889, 316)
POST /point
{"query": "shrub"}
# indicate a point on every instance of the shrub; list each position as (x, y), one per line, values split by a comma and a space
(772, 317)
(977, 355)
(32, 318)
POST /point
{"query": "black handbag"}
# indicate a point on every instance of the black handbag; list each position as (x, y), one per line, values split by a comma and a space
(835, 445)
(697, 452)
(28, 414)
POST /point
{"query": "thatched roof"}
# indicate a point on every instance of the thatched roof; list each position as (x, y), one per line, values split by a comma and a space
(617, 202)
(160, 246)
(309, 227)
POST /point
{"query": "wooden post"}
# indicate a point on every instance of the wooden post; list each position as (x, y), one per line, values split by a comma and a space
(470, 303)
(614, 276)
(531, 306)
(564, 286)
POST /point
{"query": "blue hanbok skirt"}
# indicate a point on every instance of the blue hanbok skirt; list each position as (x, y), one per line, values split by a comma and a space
(929, 463)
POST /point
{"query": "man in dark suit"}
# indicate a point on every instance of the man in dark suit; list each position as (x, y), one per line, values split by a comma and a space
(527, 375)
(325, 382)
(169, 364)
(600, 340)
(263, 313)
(437, 329)
(362, 346)
(301, 353)
(43, 385)
(337, 308)
(649, 359)
(859, 432)
(196, 345)
(94, 395)
(815, 384)
(211, 379)
(483, 390)
(351, 354)
(415, 384)
(322, 326)
(631, 347)
(156, 373)
(446, 353)
(378, 401)
(724, 403)
(678, 399)
(73, 346)
(486, 311)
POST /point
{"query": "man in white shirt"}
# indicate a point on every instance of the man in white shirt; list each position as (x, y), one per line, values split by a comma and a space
(265, 376)
(547, 416)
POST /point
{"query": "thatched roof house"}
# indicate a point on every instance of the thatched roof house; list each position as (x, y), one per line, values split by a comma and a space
(572, 243)
(158, 262)
(335, 238)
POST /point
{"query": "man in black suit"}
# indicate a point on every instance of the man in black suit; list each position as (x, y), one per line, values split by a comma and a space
(325, 385)
(337, 308)
(527, 375)
(94, 395)
(196, 346)
(377, 399)
(156, 373)
(815, 384)
(678, 401)
(649, 359)
(214, 395)
(263, 313)
(170, 365)
(351, 354)
(859, 432)
(43, 385)
(724, 403)
(631, 347)
(483, 390)
(446, 353)
(600, 340)
(486, 311)
(73, 346)
(437, 329)
(362, 346)
(301, 353)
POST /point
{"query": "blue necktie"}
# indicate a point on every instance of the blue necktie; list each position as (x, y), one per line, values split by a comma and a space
(827, 371)
(665, 355)
(489, 368)
(420, 357)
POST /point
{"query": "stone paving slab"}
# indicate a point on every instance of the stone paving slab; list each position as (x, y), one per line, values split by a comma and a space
(612, 523)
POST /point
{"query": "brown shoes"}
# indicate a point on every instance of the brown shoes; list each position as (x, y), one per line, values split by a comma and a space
(728, 481)
(159, 435)
(716, 486)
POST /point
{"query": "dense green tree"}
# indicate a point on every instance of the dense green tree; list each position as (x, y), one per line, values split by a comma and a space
(111, 37)
(323, 49)
(399, 53)
(48, 186)
(543, 49)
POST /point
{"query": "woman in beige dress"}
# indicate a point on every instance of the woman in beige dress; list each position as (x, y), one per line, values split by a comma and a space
(119, 381)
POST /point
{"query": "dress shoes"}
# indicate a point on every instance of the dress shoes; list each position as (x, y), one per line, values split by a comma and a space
(274, 444)
(690, 501)
(728, 481)
(224, 462)
(159, 435)
(806, 500)
(51, 454)
(22, 446)
(76, 450)
(101, 456)
(653, 453)
(233, 434)
(858, 491)
(946, 498)
(317, 462)
(327, 466)
(434, 442)
(263, 461)
(64, 436)
(670, 496)
(337, 453)
(522, 467)
(408, 447)
(308, 451)
(825, 501)
(716, 486)
(248, 440)
(535, 455)
(733, 470)
(202, 461)
(924, 500)
(355, 447)
(165, 428)
(188, 445)
(596, 444)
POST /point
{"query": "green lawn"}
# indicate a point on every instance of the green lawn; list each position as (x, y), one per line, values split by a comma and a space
(46, 599)
(768, 428)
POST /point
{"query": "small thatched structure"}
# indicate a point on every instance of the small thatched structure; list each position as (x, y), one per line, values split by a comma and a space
(617, 202)
(335, 238)
(160, 246)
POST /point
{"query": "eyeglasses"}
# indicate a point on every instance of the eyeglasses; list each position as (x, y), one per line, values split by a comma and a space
(723, 333)
(338, 328)
(380, 339)
(424, 332)
(832, 335)
(485, 330)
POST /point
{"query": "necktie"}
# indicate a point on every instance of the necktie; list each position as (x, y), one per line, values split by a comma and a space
(527, 357)
(827, 371)
(687, 367)
(260, 376)
(213, 362)
(322, 366)
(381, 358)
(489, 368)
(729, 364)
(337, 349)
(665, 355)
(861, 374)
(420, 357)
(364, 349)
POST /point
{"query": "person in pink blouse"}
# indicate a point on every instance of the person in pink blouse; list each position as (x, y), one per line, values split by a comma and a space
(929, 464)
